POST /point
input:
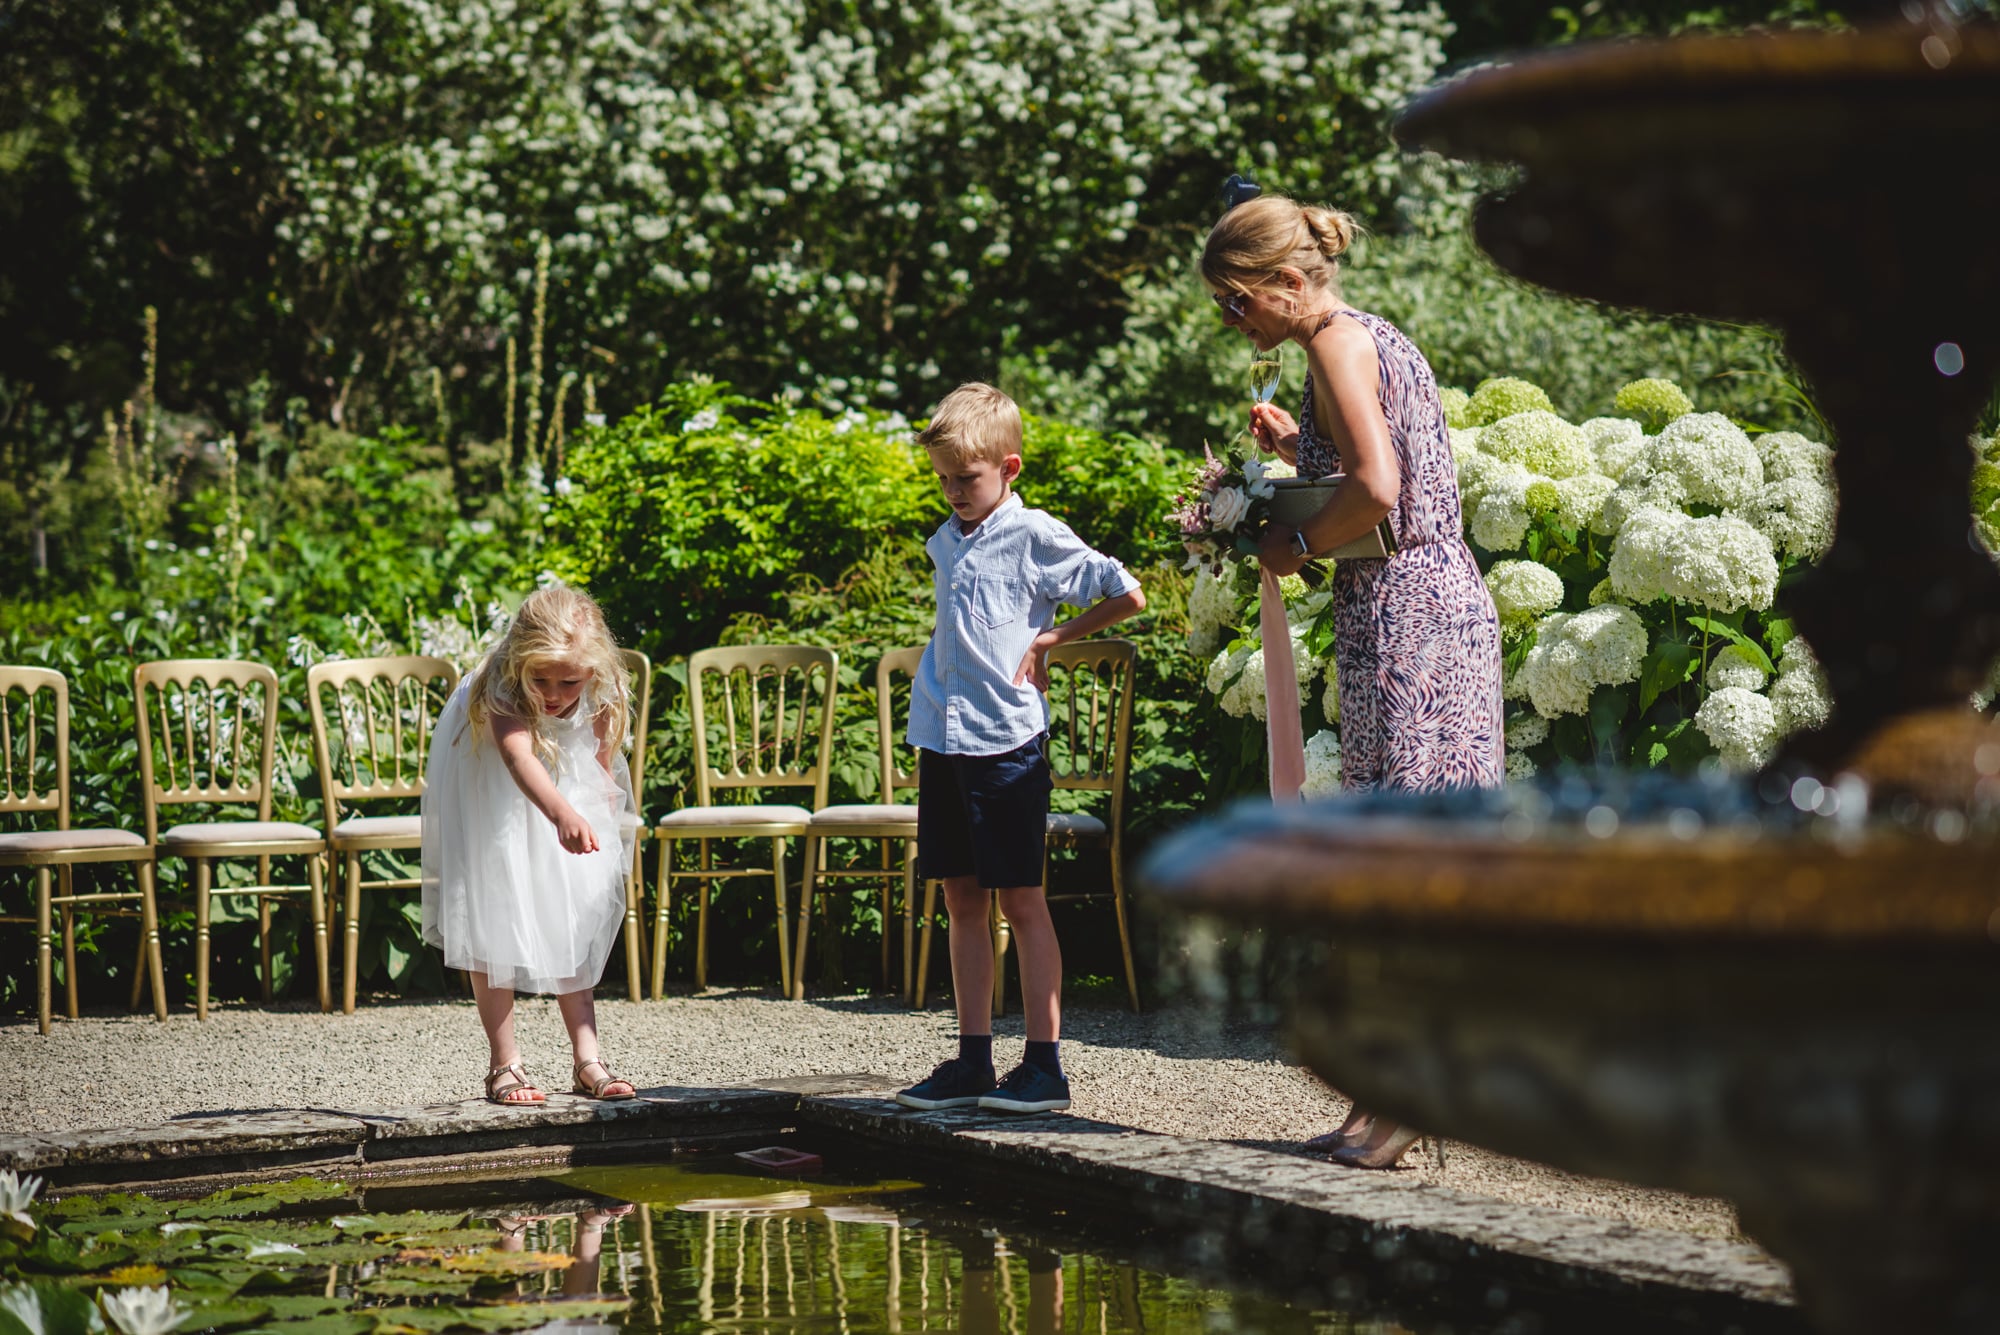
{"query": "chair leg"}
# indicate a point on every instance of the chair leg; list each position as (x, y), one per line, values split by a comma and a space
(351, 931)
(65, 887)
(45, 949)
(316, 876)
(701, 924)
(784, 941)
(149, 922)
(1124, 927)
(814, 849)
(660, 917)
(201, 910)
(264, 943)
(909, 921)
(924, 954)
(138, 967)
(634, 898)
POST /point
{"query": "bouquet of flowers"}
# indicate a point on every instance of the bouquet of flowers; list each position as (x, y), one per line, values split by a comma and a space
(1226, 508)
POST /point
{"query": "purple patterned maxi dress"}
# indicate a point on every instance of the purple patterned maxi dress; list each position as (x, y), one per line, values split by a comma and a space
(1417, 642)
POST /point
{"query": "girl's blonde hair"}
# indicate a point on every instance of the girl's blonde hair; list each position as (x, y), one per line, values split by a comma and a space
(554, 623)
(1252, 242)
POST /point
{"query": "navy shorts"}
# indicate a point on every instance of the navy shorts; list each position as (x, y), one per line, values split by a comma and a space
(984, 816)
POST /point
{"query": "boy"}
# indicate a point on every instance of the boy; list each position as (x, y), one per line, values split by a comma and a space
(979, 719)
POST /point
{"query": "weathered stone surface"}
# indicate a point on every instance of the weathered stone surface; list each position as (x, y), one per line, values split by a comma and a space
(1258, 1193)
(25, 1154)
(231, 1135)
(859, 1082)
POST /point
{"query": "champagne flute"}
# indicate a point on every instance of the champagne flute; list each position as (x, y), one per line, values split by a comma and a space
(1266, 370)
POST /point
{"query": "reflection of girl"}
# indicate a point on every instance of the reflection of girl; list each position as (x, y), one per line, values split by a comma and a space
(1417, 641)
(527, 827)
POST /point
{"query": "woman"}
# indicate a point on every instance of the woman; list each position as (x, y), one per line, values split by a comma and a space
(1417, 642)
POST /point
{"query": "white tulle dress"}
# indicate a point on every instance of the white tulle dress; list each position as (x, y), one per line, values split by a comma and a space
(500, 895)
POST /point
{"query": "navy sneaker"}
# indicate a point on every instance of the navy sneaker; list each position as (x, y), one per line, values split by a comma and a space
(954, 1084)
(1028, 1089)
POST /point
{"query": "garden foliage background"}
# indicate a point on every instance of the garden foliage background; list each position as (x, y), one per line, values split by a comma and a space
(329, 328)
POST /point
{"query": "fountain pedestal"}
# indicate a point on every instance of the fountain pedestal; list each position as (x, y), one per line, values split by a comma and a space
(1801, 1017)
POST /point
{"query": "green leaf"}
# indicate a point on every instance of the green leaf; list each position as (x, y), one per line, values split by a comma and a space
(297, 1307)
(1665, 667)
(330, 1323)
(54, 1253)
(223, 1314)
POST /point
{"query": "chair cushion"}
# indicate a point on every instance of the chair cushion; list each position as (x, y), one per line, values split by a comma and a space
(239, 832)
(53, 841)
(377, 827)
(861, 813)
(1077, 825)
(748, 815)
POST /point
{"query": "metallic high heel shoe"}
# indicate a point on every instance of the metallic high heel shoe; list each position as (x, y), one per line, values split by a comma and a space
(1354, 1131)
(1385, 1148)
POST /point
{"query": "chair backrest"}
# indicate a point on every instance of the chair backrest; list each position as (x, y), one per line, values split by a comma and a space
(207, 747)
(385, 708)
(34, 742)
(641, 668)
(897, 663)
(1090, 717)
(765, 743)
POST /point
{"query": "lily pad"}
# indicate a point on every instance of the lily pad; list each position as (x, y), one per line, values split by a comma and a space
(211, 1281)
(290, 1307)
(403, 1224)
(137, 1276)
(223, 1314)
(507, 1263)
(329, 1323)
(125, 1210)
(415, 1288)
(262, 1198)
(345, 1253)
(54, 1253)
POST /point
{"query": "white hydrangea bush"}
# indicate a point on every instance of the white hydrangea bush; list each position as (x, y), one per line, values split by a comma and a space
(1634, 561)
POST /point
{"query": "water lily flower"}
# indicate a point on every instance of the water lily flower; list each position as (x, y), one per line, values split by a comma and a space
(16, 1195)
(143, 1311)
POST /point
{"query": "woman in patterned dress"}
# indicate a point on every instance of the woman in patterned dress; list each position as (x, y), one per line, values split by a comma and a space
(1417, 642)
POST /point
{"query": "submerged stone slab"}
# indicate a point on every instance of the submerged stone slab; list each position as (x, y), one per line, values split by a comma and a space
(26, 1154)
(297, 1133)
(1264, 1199)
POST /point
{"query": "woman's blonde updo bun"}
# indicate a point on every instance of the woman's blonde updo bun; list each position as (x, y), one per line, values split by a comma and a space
(1255, 240)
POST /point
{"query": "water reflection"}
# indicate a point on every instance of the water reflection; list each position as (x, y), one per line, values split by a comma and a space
(863, 1258)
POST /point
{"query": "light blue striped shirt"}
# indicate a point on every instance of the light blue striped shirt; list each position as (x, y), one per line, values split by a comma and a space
(997, 589)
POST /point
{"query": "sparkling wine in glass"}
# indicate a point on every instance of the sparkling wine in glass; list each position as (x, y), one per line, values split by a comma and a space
(1266, 370)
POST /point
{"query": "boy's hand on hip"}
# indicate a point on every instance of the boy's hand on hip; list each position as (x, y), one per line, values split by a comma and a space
(573, 832)
(1035, 663)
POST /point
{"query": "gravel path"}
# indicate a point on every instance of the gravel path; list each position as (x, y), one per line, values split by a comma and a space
(1177, 1070)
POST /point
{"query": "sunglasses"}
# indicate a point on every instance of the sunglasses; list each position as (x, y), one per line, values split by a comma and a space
(1234, 305)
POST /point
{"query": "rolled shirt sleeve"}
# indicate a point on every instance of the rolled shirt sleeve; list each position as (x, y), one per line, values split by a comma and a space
(1071, 570)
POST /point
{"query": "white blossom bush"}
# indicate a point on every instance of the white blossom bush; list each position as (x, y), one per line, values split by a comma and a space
(1322, 764)
(1634, 562)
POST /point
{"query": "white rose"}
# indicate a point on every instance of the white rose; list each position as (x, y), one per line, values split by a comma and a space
(1257, 479)
(1227, 507)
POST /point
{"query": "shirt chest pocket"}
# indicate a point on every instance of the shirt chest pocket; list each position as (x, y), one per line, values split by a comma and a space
(996, 600)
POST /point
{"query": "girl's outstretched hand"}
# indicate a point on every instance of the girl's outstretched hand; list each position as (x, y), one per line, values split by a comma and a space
(573, 832)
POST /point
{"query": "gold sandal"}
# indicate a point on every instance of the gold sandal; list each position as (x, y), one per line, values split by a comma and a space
(498, 1093)
(595, 1089)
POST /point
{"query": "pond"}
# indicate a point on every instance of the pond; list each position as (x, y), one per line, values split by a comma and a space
(708, 1244)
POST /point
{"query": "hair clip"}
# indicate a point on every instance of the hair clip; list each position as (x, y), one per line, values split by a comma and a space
(1237, 190)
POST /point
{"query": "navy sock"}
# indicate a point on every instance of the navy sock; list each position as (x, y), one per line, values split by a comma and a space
(1044, 1056)
(977, 1049)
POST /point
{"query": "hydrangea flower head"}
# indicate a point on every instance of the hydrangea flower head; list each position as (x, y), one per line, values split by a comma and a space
(1329, 700)
(1464, 440)
(1520, 768)
(1527, 730)
(1580, 499)
(1717, 561)
(1788, 454)
(1481, 472)
(1540, 442)
(1523, 591)
(1653, 401)
(1742, 726)
(1802, 700)
(1731, 665)
(1797, 515)
(1322, 764)
(1500, 524)
(1504, 396)
(1712, 457)
(1456, 403)
(1574, 654)
(1616, 441)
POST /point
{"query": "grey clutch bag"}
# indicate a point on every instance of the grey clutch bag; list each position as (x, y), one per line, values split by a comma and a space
(1298, 499)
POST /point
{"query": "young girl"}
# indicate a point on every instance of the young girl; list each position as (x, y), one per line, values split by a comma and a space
(528, 829)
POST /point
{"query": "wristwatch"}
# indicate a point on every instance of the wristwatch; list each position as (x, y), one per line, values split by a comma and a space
(1299, 548)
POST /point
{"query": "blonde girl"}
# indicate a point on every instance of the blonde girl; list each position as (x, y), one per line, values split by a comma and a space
(528, 827)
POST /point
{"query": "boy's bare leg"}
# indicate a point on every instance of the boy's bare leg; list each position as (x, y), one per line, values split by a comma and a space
(1027, 910)
(971, 942)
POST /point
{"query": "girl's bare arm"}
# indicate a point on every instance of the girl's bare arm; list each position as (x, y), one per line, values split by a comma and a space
(517, 752)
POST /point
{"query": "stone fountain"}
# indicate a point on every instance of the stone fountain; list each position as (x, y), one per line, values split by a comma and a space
(1785, 992)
